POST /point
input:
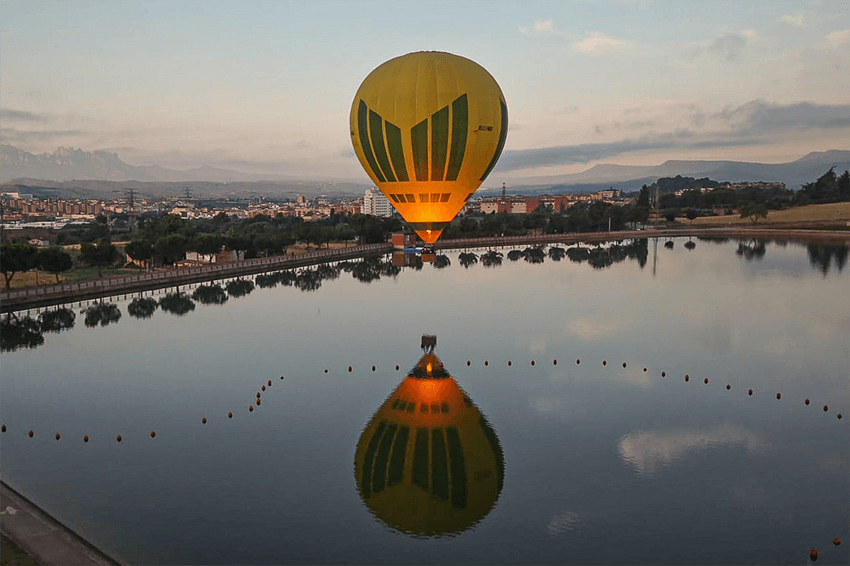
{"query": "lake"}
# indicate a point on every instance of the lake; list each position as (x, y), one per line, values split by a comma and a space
(582, 405)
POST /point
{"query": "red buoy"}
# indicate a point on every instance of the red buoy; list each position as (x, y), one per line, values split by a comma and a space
(349, 369)
(396, 367)
(270, 383)
(281, 378)
(555, 362)
(687, 378)
(813, 554)
(728, 387)
(644, 370)
(825, 408)
(57, 436)
(624, 364)
(258, 394)
(578, 361)
(86, 438)
(839, 416)
(230, 415)
(705, 381)
(263, 388)
(258, 402)
(31, 433)
(663, 374)
(153, 434)
(373, 368)
(532, 362)
(806, 402)
(604, 362)
(204, 420)
(486, 363)
(468, 363)
(750, 392)
(509, 363)
(118, 438)
(326, 370)
(250, 408)
(3, 428)
(778, 396)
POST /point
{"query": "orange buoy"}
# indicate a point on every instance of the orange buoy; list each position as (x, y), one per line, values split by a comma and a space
(509, 363)
(778, 396)
(258, 394)
(263, 388)
(118, 438)
(486, 363)
(825, 408)
(728, 387)
(86, 438)
(349, 369)
(555, 362)
(663, 374)
(806, 402)
(250, 408)
(468, 363)
(705, 381)
(204, 420)
(270, 383)
(31, 433)
(230, 415)
(373, 368)
(604, 362)
(153, 434)
(687, 378)
(258, 402)
(750, 392)
(836, 541)
(813, 554)
(58, 436)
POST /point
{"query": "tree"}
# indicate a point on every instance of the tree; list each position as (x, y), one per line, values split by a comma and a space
(753, 211)
(55, 260)
(140, 250)
(101, 255)
(15, 258)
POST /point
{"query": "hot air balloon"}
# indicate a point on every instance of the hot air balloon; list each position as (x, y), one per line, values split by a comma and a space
(428, 127)
(428, 463)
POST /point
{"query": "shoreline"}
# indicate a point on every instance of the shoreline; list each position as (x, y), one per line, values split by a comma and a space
(44, 539)
(62, 293)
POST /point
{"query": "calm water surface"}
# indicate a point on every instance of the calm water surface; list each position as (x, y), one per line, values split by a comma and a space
(616, 459)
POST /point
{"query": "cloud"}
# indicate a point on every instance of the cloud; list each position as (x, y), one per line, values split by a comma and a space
(796, 20)
(600, 44)
(758, 117)
(648, 452)
(584, 153)
(730, 46)
(21, 116)
(539, 27)
(13, 136)
(836, 39)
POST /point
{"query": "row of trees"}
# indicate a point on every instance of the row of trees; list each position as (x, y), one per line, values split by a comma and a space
(20, 257)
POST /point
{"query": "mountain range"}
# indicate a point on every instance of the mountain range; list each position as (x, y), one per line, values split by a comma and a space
(101, 170)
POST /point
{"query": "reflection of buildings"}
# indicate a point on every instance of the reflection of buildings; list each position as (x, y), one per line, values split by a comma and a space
(428, 463)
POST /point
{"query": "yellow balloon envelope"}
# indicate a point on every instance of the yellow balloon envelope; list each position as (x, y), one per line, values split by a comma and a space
(428, 128)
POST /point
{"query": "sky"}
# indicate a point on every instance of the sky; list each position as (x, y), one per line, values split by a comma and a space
(266, 87)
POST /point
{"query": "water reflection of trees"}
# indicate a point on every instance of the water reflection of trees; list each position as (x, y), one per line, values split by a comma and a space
(57, 320)
(442, 261)
(821, 256)
(19, 332)
(142, 307)
(754, 249)
(600, 257)
(491, 259)
(212, 294)
(239, 287)
(101, 314)
(177, 303)
(467, 259)
(556, 253)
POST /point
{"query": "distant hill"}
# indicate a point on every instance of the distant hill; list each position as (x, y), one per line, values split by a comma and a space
(631, 177)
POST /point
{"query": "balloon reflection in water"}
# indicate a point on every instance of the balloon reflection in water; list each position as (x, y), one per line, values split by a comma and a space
(428, 463)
